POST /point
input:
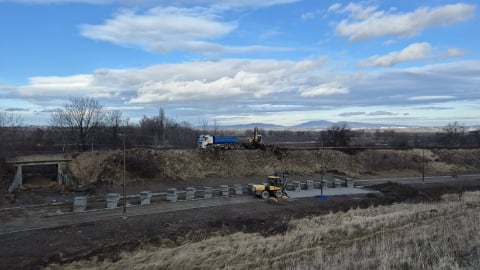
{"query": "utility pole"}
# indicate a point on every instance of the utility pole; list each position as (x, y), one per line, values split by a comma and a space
(321, 170)
(423, 165)
(124, 174)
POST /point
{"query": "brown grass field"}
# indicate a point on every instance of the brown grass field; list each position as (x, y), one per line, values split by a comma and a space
(435, 235)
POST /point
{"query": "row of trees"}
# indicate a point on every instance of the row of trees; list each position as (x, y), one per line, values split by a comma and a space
(83, 124)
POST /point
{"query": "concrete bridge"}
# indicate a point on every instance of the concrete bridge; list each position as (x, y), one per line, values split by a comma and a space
(19, 162)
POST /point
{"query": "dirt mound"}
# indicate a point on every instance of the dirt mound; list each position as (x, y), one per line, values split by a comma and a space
(148, 164)
(398, 192)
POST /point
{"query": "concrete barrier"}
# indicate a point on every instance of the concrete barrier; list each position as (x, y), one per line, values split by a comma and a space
(80, 203)
(207, 192)
(172, 194)
(324, 184)
(224, 190)
(112, 200)
(238, 189)
(249, 188)
(337, 182)
(190, 193)
(309, 184)
(296, 186)
(349, 182)
(145, 197)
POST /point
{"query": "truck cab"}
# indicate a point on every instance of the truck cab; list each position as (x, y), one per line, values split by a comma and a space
(204, 140)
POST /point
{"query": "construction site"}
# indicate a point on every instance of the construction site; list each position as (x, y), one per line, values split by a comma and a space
(103, 209)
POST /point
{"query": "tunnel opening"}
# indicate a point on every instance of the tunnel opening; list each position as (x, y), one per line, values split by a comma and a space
(43, 175)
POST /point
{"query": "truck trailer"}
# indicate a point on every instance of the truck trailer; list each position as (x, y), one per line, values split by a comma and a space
(205, 141)
(213, 141)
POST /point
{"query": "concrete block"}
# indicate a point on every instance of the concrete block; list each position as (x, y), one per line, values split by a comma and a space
(145, 197)
(296, 186)
(190, 193)
(309, 184)
(80, 203)
(324, 184)
(317, 184)
(224, 190)
(172, 194)
(249, 188)
(349, 182)
(112, 200)
(238, 189)
(207, 192)
(337, 182)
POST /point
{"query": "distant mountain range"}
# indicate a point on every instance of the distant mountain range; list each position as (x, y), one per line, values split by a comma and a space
(308, 125)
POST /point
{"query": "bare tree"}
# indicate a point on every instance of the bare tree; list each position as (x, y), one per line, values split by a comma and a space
(215, 126)
(153, 129)
(338, 135)
(79, 120)
(204, 125)
(454, 132)
(10, 124)
(113, 121)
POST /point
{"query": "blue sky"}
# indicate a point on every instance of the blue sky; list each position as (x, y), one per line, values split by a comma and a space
(276, 61)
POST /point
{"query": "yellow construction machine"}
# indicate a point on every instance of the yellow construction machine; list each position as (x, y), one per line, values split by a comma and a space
(274, 187)
(255, 141)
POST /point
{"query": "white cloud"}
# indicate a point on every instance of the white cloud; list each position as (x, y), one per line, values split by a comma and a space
(42, 2)
(324, 90)
(349, 114)
(223, 79)
(226, 4)
(334, 7)
(413, 52)
(307, 16)
(185, 82)
(163, 29)
(430, 98)
(54, 86)
(454, 52)
(246, 86)
(381, 113)
(366, 22)
(358, 12)
(166, 29)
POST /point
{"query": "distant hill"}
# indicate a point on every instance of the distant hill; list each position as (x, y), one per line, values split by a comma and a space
(318, 124)
(252, 126)
(327, 124)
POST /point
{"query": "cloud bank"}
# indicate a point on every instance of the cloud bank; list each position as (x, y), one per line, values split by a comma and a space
(367, 22)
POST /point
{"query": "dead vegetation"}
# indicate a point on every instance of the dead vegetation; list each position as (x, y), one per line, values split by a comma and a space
(156, 165)
(440, 235)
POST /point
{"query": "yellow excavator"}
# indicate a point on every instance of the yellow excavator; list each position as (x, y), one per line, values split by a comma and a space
(274, 187)
(255, 141)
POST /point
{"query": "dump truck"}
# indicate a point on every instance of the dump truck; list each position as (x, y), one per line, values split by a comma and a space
(205, 141)
(213, 141)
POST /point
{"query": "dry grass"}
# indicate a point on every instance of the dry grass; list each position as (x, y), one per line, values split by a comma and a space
(442, 235)
(107, 166)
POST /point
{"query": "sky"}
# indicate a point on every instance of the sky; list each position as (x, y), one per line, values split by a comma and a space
(235, 62)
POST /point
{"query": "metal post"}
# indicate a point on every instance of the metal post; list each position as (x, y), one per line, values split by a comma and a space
(423, 165)
(321, 170)
(124, 187)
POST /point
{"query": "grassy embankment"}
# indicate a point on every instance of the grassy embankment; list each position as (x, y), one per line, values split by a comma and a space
(440, 235)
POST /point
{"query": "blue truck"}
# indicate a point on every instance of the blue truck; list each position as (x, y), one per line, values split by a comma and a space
(205, 141)
(212, 141)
